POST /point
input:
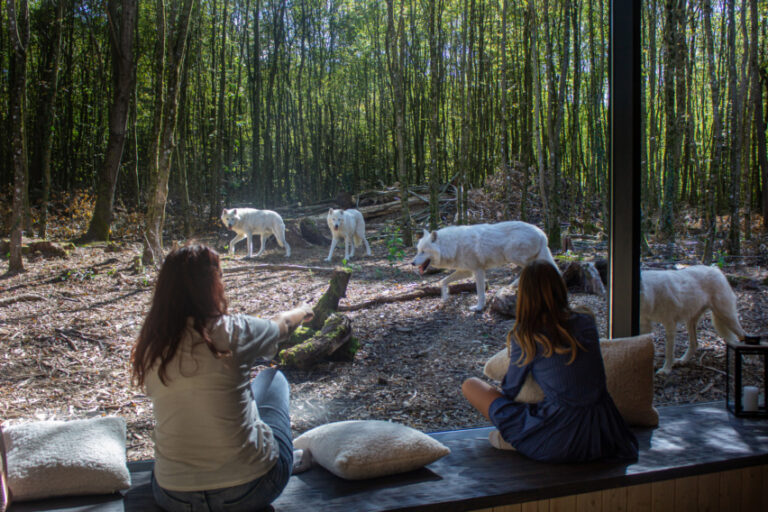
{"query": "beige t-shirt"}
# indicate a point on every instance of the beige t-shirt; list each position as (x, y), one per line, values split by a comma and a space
(208, 434)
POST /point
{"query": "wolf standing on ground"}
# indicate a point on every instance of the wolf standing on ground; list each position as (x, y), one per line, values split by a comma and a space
(471, 250)
(670, 297)
(349, 225)
(247, 222)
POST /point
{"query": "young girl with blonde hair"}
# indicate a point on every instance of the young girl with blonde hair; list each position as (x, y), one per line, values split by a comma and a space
(577, 420)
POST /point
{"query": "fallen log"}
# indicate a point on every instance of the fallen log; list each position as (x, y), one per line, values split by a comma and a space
(336, 332)
(276, 266)
(426, 291)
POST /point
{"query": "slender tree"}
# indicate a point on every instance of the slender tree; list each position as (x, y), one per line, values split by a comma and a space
(757, 105)
(40, 166)
(718, 141)
(734, 192)
(160, 161)
(122, 16)
(435, 93)
(18, 30)
(395, 59)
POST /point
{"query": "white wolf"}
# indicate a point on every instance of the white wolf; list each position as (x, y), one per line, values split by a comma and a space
(349, 225)
(474, 249)
(247, 222)
(673, 296)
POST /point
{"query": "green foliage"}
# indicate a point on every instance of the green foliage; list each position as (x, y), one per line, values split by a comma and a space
(719, 258)
(76, 275)
(349, 266)
(395, 245)
(569, 256)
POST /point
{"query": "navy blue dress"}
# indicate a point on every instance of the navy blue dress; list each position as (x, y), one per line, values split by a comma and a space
(577, 421)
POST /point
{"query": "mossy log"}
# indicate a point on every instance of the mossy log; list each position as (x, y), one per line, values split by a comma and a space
(336, 332)
(329, 302)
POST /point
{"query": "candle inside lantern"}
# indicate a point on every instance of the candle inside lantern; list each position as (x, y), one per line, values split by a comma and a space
(749, 399)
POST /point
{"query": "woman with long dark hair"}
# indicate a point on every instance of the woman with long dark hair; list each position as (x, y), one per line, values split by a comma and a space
(222, 442)
(577, 420)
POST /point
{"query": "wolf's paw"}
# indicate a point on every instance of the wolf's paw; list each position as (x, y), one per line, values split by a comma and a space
(477, 308)
(664, 371)
(684, 360)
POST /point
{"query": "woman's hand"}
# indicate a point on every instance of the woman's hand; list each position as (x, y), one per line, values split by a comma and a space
(288, 321)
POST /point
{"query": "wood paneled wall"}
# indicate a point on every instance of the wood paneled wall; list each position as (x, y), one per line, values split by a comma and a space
(739, 490)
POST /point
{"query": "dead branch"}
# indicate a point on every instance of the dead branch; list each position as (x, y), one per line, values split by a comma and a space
(426, 291)
(29, 297)
(67, 333)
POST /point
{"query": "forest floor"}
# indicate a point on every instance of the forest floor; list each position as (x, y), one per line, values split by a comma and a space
(67, 327)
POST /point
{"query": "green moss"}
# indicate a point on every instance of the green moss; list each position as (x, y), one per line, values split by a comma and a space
(301, 334)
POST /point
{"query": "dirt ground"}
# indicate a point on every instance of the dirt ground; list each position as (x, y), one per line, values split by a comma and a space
(67, 327)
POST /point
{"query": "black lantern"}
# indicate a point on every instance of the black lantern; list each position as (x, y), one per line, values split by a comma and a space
(743, 400)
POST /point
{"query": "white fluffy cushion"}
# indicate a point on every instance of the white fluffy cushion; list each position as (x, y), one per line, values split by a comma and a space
(629, 377)
(59, 458)
(367, 449)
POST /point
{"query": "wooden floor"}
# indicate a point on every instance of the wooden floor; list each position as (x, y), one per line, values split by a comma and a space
(700, 458)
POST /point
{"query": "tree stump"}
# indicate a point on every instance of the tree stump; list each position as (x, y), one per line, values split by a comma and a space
(336, 332)
(311, 233)
(504, 301)
(583, 276)
(329, 302)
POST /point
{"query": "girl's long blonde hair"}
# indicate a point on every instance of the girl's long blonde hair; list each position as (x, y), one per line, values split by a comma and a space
(542, 307)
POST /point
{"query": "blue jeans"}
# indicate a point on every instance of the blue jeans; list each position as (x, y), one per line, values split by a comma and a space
(272, 395)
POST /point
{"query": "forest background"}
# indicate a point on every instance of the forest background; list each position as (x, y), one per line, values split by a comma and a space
(198, 104)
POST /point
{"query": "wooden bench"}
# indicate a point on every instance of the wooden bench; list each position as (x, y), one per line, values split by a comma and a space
(699, 458)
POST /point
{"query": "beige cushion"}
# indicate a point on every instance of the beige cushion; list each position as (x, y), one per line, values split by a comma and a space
(60, 458)
(367, 449)
(628, 371)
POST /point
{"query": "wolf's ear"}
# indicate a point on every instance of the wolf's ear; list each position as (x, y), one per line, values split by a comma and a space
(330, 211)
(425, 234)
(434, 236)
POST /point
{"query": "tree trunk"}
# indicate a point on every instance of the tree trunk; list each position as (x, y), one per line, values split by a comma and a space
(672, 150)
(757, 102)
(18, 30)
(122, 24)
(435, 91)
(734, 192)
(218, 171)
(396, 57)
(716, 152)
(537, 109)
(329, 302)
(40, 169)
(160, 161)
